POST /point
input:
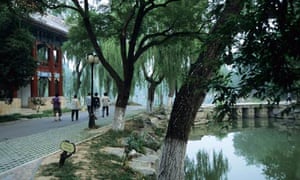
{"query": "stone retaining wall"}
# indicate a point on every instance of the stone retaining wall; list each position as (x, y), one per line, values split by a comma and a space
(15, 106)
(12, 108)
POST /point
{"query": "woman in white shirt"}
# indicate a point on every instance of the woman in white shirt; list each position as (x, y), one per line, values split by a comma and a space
(105, 104)
(75, 106)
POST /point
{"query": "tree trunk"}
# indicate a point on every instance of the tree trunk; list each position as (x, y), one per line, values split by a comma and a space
(119, 119)
(177, 162)
(121, 104)
(77, 81)
(170, 101)
(120, 108)
(149, 106)
(151, 93)
(171, 94)
(193, 91)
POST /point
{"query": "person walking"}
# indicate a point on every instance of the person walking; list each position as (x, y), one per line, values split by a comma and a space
(105, 104)
(88, 101)
(289, 98)
(56, 108)
(75, 106)
(96, 104)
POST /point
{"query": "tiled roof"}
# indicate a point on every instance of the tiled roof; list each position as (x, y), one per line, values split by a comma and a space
(51, 21)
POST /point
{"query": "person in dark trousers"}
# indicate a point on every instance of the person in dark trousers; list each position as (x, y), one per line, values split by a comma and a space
(56, 107)
(75, 106)
(105, 104)
(96, 104)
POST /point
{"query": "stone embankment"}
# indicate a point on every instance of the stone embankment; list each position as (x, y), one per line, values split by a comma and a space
(145, 163)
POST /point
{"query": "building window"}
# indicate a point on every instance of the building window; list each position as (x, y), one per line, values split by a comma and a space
(42, 54)
(55, 57)
(43, 86)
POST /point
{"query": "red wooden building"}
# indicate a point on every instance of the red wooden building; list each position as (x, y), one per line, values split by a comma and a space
(50, 32)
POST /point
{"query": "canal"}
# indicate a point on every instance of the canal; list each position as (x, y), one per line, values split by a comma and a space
(253, 149)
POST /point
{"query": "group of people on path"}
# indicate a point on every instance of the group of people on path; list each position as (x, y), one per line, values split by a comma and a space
(97, 102)
(75, 106)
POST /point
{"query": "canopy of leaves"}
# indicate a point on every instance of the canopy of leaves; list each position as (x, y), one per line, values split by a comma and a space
(17, 64)
(24, 7)
(156, 27)
(266, 53)
(269, 58)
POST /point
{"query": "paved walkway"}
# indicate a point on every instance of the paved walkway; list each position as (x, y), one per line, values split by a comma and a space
(20, 157)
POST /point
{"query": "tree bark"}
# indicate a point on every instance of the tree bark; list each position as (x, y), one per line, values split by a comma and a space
(78, 76)
(170, 96)
(177, 162)
(119, 122)
(151, 93)
(122, 100)
(192, 93)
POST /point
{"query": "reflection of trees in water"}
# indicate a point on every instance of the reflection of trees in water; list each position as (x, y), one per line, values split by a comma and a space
(205, 169)
(282, 165)
(278, 151)
(256, 144)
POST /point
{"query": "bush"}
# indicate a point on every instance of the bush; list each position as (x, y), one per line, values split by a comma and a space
(136, 142)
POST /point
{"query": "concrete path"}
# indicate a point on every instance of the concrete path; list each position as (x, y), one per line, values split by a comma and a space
(22, 146)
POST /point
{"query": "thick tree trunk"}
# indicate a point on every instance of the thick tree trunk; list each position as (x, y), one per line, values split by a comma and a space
(121, 104)
(118, 122)
(177, 162)
(120, 108)
(192, 93)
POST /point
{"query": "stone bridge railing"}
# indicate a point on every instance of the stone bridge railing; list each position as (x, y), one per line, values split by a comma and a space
(250, 111)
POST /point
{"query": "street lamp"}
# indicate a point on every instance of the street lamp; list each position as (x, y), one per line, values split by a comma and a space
(92, 59)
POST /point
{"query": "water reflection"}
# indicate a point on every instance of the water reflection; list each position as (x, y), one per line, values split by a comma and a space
(203, 168)
(232, 153)
(277, 151)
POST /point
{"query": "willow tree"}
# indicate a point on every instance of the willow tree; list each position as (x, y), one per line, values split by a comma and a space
(111, 51)
(170, 63)
(76, 49)
(177, 57)
(193, 91)
(138, 25)
(151, 70)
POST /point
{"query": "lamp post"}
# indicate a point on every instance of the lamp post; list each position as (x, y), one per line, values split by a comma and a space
(92, 59)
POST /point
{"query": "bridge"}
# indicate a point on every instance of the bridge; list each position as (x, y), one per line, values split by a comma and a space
(252, 111)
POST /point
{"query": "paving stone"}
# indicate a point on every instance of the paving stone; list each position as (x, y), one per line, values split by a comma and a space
(18, 151)
(19, 157)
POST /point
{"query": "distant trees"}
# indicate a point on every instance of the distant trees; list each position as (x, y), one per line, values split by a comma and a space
(137, 26)
(76, 49)
(16, 62)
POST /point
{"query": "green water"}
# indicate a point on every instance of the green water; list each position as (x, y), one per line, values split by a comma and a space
(252, 152)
